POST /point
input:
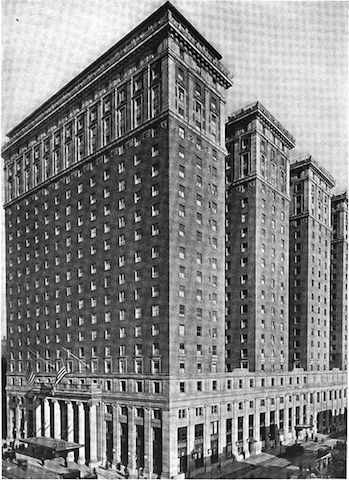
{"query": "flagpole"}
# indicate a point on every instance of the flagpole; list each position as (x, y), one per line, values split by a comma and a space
(41, 358)
(74, 356)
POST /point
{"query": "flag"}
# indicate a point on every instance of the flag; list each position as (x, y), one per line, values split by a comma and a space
(30, 376)
(62, 372)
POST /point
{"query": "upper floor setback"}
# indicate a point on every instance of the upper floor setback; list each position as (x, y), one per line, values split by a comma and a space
(311, 188)
(165, 22)
(258, 145)
(339, 216)
(243, 116)
(309, 168)
(339, 202)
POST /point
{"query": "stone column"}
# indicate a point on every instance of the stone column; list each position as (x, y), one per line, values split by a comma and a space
(245, 430)
(148, 444)
(70, 428)
(256, 428)
(234, 436)
(93, 435)
(47, 420)
(10, 422)
(38, 419)
(222, 431)
(169, 443)
(57, 418)
(131, 440)
(116, 435)
(286, 420)
(81, 433)
(24, 414)
(18, 413)
(102, 436)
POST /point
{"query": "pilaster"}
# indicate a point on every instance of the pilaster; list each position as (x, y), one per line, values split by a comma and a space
(148, 443)
(131, 439)
(190, 440)
(81, 432)
(116, 435)
(207, 437)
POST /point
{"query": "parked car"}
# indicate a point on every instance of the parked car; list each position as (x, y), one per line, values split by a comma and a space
(9, 455)
(71, 473)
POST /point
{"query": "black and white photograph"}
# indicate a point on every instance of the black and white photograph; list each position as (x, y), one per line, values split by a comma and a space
(174, 239)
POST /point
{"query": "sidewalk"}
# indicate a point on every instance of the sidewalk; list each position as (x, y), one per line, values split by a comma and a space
(268, 464)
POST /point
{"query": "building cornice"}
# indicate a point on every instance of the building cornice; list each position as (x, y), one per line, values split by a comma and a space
(101, 151)
(302, 164)
(259, 110)
(339, 197)
(166, 19)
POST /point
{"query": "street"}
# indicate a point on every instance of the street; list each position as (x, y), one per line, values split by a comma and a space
(11, 470)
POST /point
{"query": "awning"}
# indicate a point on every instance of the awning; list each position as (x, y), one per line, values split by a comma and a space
(300, 427)
(55, 444)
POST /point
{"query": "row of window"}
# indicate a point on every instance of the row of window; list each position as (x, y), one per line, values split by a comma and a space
(85, 135)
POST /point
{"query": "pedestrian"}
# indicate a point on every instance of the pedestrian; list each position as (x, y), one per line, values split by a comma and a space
(306, 437)
(219, 468)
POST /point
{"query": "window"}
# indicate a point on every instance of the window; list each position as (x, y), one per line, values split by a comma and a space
(155, 150)
(155, 330)
(182, 413)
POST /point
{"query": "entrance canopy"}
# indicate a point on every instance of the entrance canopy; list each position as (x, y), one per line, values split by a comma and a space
(53, 444)
(300, 427)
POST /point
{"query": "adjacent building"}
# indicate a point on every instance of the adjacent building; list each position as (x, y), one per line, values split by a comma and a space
(116, 190)
(339, 282)
(257, 236)
(310, 251)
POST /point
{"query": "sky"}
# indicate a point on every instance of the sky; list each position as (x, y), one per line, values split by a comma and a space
(291, 56)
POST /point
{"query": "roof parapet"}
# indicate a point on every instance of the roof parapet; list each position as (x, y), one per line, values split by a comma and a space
(309, 160)
(259, 109)
(340, 196)
(165, 17)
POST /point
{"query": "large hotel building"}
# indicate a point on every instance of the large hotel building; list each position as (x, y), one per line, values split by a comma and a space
(339, 282)
(156, 269)
(310, 251)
